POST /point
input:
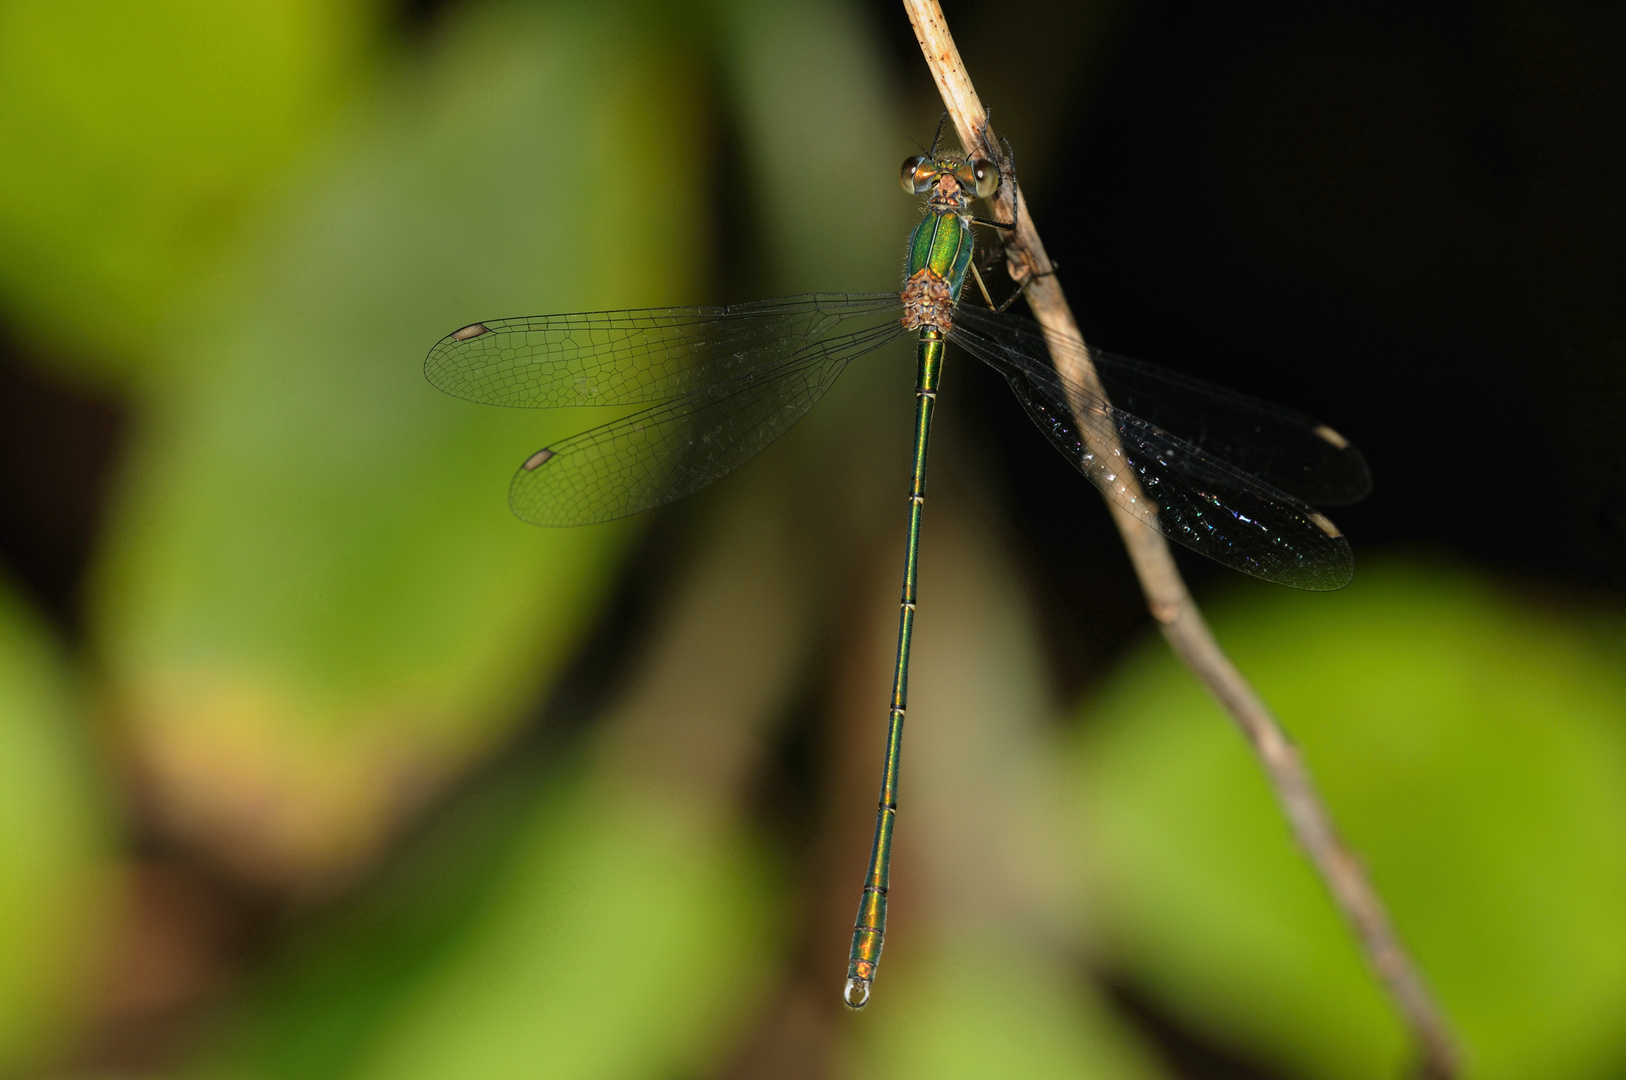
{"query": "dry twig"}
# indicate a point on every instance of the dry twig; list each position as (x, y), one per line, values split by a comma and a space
(1175, 611)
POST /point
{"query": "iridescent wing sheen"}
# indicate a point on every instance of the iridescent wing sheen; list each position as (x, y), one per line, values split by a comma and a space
(1287, 450)
(677, 447)
(633, 357)
(1192, 496)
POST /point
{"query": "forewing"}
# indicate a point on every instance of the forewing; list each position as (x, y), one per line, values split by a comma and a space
(675, 448)
(1287, 450)
(630, 357)
(1186, 493)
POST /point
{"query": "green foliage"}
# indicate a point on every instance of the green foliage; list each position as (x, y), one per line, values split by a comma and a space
(996, 1008)
(56, 884)
(621, 945)
(1472, 748)
(558, 926)
(135, 137)
(315, 601)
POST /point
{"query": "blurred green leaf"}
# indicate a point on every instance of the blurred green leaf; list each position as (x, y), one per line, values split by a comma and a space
(604, 920)
(629, 940)
(1471, 747)
(996, 1007)
(56, 883)
(315, 603)
(564, 928)
(135, 136)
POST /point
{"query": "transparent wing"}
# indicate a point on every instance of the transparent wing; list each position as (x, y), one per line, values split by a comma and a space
(675, 448)
(628, 357)
(1287, 450)
(1186, 493)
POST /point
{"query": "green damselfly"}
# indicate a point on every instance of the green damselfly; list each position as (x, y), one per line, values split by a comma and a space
(1225, 475)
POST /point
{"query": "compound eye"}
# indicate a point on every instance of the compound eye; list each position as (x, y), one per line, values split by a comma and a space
(917, 175)
(986, 174)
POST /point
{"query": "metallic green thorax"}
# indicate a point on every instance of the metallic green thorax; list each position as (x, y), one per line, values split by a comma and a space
(941, 243)
(939, 253)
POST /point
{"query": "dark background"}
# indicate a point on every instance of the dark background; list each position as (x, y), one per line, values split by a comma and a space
(1405, 219)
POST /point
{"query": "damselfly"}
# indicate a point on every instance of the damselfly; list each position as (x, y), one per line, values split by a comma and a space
(1225, 475)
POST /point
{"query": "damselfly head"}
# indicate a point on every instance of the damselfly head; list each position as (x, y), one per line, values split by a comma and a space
(976, 176)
